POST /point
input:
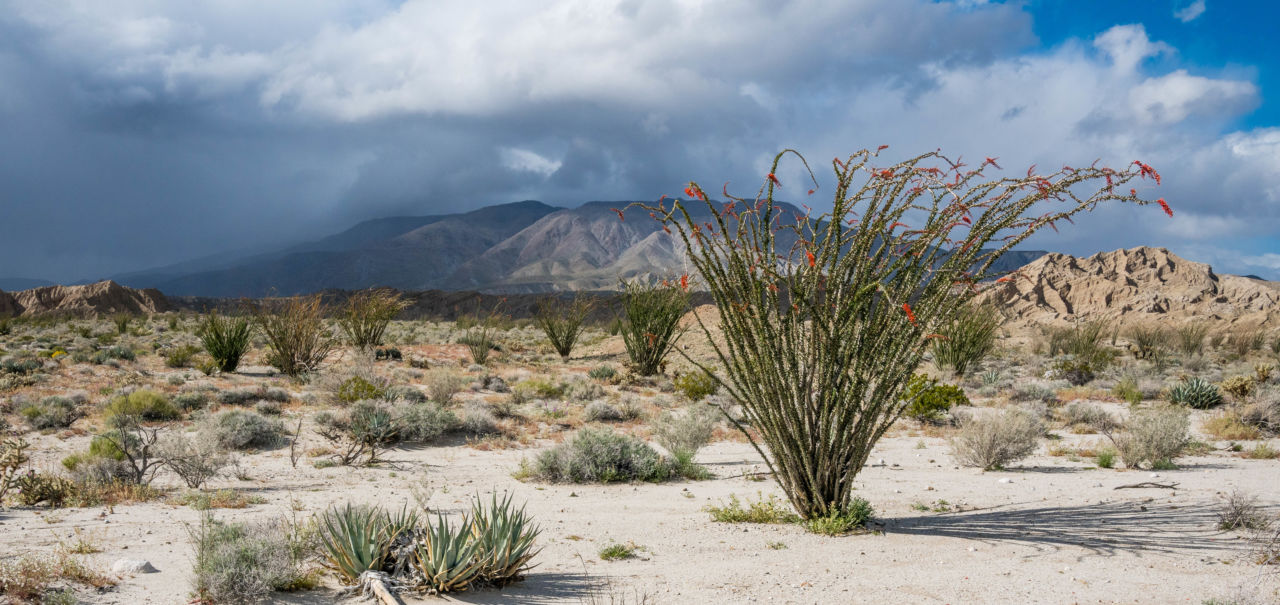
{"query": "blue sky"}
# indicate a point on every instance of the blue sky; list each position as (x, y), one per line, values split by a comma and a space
(139, 133)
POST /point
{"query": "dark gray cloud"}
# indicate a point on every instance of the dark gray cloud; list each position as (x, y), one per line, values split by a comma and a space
(137, 133)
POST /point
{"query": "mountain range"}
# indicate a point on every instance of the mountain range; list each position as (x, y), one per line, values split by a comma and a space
(520, 247)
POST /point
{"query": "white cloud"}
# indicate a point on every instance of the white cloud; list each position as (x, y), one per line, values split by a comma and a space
(1190, 12)
(527, 161)
(1174, 97)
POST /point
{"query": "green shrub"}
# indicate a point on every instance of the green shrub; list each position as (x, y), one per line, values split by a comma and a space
(1196, 393)
(251, 394)
(423, 422)
(365, 317)
(1147, 340)
(1127, 389)
(651, 323)
(180, 356)
(563, 325)
(361, 433)
(853, 517)
(763, 510)
(191, 401)
(51, 412)
(617, 552)
(993, 441)
(116, 352)
(1189, 337)
(603, 373)
(599, 456)
(146, 405)
(1106, 458)
(929, 401)
(967, 339)
(696, 385)
(536, 388)
(244, 430)
(225, 339)
(194, 459)
(443, 385)
(359, 388)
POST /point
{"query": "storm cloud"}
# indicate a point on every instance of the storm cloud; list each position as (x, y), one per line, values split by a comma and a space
(137, 134)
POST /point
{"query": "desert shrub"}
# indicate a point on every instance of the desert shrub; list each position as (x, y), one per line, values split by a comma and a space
(180, 356)
(1244, 340)
(602, 373)
(930, 401)
(1196, 393)
(20, 365)
(1034, 391)
(599, 456)
(1189, 338)
(406, 392)
(246, 562)
(617, 552)
(250, 394)
(443, 385)
(297, 339)
(479, 337)
(146, 405)
(1147, 340)
(583, 390)
(1238, 387)
(35, 488)
(1076, 371)
(762, 510)
(683, 433)
(601, 411)
(267, 408)
(1263, 414)
(1152, 437)
(1106, 457)
(132, 444)
(13, 456)
(359, 434)
(423, 422)
(536, 388)
(967, 338)
(359, 388)
(225, 339)
(1127, 389)
(51, 412)
(115, 352)
(1242, 511)
(1227, 426)
(995, 440)
(1080, 414)
(42, 578)
(195, 459)
(366, 315)
(243, 430)
(695, 385)
(651, 323)
(563, 325)
(478, 420)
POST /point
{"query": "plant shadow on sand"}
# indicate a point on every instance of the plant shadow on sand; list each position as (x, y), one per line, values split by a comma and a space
(1101, 529)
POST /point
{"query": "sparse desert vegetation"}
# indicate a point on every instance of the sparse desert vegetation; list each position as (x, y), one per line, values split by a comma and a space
(323, 450)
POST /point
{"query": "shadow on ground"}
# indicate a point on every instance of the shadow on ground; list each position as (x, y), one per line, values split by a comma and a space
(1103, 529)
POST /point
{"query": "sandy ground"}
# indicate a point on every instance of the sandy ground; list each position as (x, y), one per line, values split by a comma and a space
(1047, 531)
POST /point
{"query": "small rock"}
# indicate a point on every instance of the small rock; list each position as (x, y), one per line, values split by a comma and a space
(1005, 480)
(131, 566)
(1154, 475)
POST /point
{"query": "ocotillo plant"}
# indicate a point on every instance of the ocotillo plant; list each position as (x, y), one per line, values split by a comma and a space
(820, 338)
(563, 324)
(367, 315)
(651, 322)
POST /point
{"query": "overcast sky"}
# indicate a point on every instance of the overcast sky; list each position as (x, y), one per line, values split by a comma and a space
(141, 133)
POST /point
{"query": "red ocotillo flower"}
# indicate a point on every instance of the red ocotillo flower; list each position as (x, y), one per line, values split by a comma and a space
(809, 254)
(910, 316)
(992, 161)
(684, 281)
(619, 214)
(1165, 206)
(773, 179)
(1146, 169)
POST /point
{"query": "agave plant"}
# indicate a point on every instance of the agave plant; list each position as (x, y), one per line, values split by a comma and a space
(1197, 393)
(503, 536)
(354, 539)
(446, 556)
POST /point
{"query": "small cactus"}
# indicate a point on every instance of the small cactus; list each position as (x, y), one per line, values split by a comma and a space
(1197, 393)
(1238, 387)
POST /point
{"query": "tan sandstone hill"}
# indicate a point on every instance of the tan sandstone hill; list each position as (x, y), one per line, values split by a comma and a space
(1139, 284)
(91, 299)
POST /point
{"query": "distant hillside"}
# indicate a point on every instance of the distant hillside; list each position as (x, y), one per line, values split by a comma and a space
(524, 247)
(1138, 284)
(104, 297)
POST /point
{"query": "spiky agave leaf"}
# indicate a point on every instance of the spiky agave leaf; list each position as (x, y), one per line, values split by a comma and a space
(504, 539)
(353, 540)
(446, 556)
